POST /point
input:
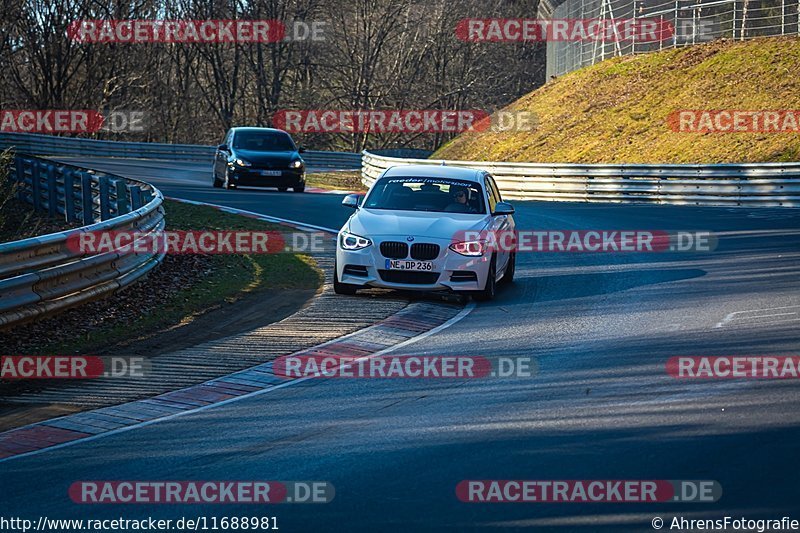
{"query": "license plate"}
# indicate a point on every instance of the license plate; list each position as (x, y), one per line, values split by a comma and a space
(270, 172)
(402, 264)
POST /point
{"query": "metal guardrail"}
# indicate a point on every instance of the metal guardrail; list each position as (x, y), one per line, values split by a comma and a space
(43, 275)
(31, 143)
(759, 184)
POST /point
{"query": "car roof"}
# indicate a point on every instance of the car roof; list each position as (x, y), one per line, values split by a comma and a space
(254, 128)
(435, 171)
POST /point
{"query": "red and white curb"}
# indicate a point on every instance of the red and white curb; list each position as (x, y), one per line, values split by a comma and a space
(410, 325)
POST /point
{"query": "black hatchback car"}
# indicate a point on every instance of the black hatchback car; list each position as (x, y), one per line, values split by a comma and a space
(259, 157)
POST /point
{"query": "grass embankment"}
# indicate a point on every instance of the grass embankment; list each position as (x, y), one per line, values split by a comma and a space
(182, 289)
(617, 111)
(341, 181)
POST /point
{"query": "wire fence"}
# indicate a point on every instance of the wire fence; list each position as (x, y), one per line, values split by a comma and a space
(690, 22)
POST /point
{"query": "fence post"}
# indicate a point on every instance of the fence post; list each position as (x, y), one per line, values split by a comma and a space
(70, 213)
(86, 198)
(52, 190)
(123, 205)
(783, 17)
(105, 199)
(675, 28)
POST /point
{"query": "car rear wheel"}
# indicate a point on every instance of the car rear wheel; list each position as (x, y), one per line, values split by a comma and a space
(342, 288)
(488, 291)
(299, 188)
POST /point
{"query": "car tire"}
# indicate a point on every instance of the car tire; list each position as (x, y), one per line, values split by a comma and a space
(227, 183)
(283, 189)
(511, 267)
(342, 288)
(217, 182)
(489, 289)
(299, 188)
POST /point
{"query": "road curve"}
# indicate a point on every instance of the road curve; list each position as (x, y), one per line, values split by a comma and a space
(601, 406)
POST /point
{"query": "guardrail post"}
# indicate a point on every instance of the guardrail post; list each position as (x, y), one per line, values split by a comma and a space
(52, 191)
(19, 168)
(136, 197)
(86, 198)
(123, 205)
(105, 200)
(36, 186)
(70, 213)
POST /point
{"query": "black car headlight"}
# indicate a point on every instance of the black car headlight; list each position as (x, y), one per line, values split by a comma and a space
(242, 162)
(297, 163)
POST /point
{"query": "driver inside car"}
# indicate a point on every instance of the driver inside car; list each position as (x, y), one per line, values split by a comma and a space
(459, 204)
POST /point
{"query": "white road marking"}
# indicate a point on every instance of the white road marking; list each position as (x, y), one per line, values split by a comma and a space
(737, 315)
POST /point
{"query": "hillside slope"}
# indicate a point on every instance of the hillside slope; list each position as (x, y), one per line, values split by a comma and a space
(618, 110)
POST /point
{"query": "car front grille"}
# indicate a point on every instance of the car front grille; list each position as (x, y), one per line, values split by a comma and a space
(424, 251)
(394, 250)
(409, 277)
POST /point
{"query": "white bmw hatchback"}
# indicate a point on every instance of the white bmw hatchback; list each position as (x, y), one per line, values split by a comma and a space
(413, 231)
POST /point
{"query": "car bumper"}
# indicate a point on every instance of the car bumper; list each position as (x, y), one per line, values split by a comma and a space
(451, 271)
(253, 178)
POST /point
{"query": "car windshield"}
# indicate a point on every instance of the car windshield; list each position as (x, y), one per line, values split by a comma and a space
(426, 194)
(263, 141)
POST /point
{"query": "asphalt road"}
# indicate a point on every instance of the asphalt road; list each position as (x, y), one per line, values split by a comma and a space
(601, 407)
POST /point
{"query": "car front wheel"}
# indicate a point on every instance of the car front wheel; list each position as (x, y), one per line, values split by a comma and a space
(342, 288)
(228, 184)
(488, 291)
(217, 181)
(511, 267)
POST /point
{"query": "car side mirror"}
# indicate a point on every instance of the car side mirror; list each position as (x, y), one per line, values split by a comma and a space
(301, 150)
(503, 208)
(222, 147)
(352, 201)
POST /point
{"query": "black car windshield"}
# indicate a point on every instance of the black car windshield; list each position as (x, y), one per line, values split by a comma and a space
(263, 141)
(426, 194)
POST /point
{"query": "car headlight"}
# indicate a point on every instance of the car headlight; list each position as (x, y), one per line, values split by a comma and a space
(469, 248)
(297, 163)
(351, 241)
(243, 163)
